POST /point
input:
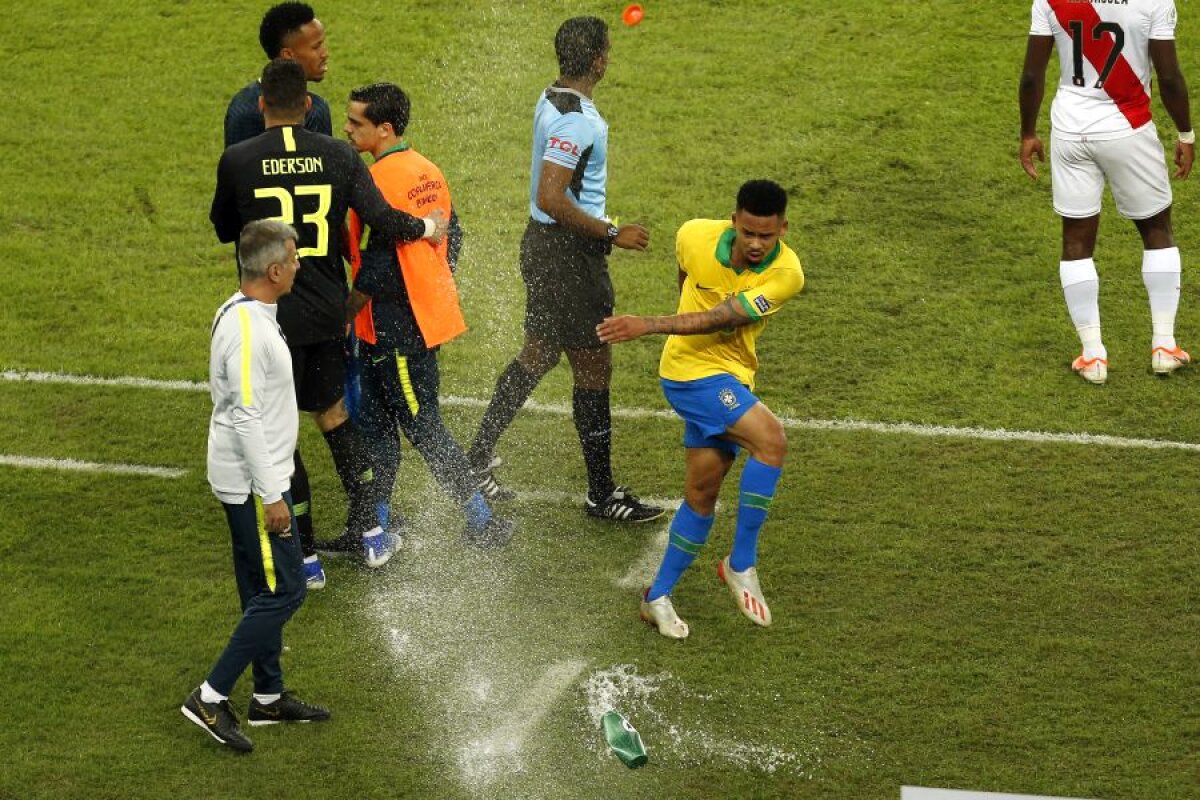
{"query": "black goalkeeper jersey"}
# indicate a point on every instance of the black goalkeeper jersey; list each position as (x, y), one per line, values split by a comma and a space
(307, 180)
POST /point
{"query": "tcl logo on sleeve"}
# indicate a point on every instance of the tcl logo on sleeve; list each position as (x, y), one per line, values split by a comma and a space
(564, 145)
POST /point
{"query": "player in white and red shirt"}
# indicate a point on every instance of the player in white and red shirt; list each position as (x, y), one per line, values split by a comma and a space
(1101, 129)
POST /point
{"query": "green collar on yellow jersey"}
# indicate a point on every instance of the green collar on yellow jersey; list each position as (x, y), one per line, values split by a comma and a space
(725, 253)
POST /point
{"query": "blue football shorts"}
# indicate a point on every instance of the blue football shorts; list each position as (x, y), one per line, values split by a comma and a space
(709, 407)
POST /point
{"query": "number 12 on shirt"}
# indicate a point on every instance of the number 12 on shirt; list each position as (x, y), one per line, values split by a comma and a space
(1095, 34)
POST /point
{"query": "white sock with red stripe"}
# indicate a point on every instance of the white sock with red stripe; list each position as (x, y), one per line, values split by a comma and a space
(1160, 274)
(1081, 289)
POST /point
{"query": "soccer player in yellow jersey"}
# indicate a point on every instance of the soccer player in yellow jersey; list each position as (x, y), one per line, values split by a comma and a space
(732, 276)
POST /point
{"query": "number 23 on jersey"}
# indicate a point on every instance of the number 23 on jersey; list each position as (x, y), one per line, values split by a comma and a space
(318, 218)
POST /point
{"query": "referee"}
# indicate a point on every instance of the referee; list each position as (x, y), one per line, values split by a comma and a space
(251, 437)
(310, 181)
(564, 265)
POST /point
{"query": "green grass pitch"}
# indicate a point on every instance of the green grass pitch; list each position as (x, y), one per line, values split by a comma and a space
(1005, 614)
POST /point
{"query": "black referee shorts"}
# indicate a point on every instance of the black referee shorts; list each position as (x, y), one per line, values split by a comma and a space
(568, 290)
(319, 371)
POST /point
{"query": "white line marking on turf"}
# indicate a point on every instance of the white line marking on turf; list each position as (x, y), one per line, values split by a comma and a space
(641, 572)
(485, 757)
(560, 409)
(919, 793)
(91, 380)
(70, 464)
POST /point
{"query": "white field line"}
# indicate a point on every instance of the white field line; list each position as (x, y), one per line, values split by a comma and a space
(919, 793)
(561, 409)
(641, 572)
(489, 754)
(92, 380)
(71, 465)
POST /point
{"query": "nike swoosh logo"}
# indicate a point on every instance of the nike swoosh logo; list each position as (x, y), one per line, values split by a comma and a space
(270, 712)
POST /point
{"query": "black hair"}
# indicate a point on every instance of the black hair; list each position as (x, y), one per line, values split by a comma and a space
(280, 22)
(577, 44)
(284, 86)
(762, 198)
(385, 102)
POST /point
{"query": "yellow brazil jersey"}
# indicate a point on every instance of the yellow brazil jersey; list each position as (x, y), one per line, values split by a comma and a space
(703, 248)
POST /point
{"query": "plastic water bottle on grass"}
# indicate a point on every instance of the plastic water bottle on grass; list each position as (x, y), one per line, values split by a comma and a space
(624, 739)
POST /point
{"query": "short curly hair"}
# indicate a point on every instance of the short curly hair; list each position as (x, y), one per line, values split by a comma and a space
(577, 44)
(280, 22)
(762, 198)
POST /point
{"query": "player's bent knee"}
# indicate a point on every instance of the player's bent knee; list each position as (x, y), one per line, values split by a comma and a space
(538, 364)
(773, 448)
(773, 453)
(782, 444)
(1156, 231)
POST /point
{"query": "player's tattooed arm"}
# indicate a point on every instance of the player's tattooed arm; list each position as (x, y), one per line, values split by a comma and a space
(622, 329)
(726, 315)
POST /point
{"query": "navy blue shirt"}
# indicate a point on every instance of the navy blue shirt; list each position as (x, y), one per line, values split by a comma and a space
(244, 120)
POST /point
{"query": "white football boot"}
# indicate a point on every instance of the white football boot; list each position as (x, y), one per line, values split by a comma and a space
(1092, 370)
(661, 615)
(1164, 361)
(746, 591)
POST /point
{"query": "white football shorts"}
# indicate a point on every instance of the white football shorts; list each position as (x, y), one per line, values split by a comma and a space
(1134, 165)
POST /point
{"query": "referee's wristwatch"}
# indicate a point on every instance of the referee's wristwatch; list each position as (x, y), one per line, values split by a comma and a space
(611, 233)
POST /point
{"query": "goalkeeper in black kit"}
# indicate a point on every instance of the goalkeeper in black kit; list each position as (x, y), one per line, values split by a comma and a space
(309, 181)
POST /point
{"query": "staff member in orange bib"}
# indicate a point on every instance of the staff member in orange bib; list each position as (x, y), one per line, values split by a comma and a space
(404, 307)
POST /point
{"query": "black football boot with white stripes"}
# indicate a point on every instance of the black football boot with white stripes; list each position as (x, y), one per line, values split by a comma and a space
(491, 489)
(622, 506)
